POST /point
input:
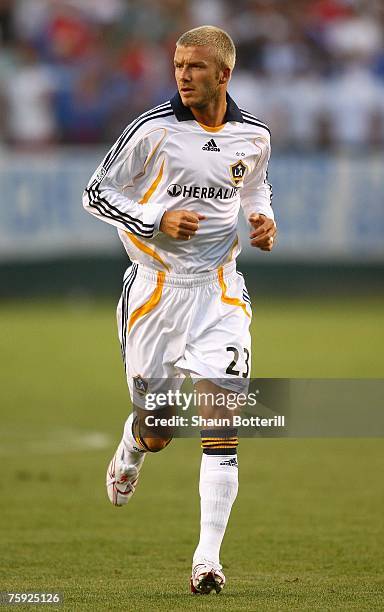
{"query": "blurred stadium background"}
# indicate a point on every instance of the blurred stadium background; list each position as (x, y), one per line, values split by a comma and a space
(73, 73)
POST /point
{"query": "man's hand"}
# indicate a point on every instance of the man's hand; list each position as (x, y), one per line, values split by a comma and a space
(180, 224)
(265, 232)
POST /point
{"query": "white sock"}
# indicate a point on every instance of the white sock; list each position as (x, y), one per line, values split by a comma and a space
(218, 489)
(133, 454)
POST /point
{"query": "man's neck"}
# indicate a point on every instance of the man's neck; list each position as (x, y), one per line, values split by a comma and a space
(213, 114)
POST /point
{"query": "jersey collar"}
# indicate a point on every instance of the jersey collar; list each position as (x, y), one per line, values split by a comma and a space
(183, 113)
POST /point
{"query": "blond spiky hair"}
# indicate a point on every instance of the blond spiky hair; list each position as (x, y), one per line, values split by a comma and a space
(219, 40)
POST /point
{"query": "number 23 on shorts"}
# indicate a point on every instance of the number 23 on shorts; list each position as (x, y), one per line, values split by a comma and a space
(232, 368)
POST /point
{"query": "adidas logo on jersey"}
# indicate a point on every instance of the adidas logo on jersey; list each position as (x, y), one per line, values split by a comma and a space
(232, 461)
(211, 146)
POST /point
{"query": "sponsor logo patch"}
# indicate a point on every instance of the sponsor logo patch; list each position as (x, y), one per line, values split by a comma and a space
(201, 193)
(174, 190)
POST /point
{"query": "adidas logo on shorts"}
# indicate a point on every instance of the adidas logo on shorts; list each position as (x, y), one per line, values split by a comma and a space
(211, 146)
(232, 461)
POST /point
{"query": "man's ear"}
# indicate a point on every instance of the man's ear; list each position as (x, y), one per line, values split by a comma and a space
(225, 75)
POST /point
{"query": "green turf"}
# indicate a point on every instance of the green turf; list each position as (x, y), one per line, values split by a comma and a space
(306, 529)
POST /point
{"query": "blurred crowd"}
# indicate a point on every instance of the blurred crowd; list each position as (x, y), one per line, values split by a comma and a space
(77, 71)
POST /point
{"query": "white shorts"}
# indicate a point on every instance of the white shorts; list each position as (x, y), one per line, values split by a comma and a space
(174, 325)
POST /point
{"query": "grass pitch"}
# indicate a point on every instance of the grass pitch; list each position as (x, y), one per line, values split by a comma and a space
(305, 532)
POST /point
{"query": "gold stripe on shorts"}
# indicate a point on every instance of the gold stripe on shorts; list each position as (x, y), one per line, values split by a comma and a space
(225, 298)
(149, 304)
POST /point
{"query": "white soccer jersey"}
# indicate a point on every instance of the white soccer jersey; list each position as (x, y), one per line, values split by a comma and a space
(166, 160)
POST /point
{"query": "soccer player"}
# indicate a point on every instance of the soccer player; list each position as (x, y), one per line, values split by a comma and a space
(173, 185)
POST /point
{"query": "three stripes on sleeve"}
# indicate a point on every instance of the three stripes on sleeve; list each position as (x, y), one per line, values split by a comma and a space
(96, 199)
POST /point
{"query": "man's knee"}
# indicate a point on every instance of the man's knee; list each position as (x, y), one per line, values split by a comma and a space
(154, 445)
(152, 439)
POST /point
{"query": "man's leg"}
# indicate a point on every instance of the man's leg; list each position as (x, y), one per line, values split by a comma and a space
(123, 470)
(218, 490)
(143, 343)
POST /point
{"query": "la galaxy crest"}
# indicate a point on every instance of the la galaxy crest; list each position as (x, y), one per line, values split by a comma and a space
(141, 385)
(237, 171)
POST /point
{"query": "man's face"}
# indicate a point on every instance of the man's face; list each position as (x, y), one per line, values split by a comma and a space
(197, 75)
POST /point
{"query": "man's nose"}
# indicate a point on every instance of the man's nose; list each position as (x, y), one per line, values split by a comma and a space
(185, 74)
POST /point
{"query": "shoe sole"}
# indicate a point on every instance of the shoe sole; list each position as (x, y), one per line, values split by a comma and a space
(206, 585)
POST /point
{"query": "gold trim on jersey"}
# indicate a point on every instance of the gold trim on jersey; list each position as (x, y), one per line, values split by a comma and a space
(153, 187)
(151, 154)
(225, 298)
(156, 145)
(147, 249)
(234, 245)
(209, 128)
(149, 304)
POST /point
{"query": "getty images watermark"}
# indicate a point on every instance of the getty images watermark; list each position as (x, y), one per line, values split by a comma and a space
(267, 407)
(224, 403)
